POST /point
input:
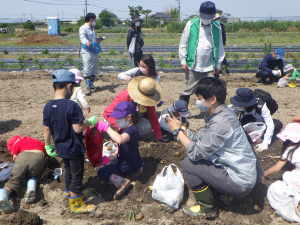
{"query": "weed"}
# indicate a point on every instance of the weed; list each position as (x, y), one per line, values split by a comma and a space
(5, 52)
(45, 51)
(130, 214)
(2, 64)
(161, 63)
(235, 55)
(79, 65)
(294, 62)
(247, 65)
(112, 52)
(173, 54)
(121, 52)
(21, 65)
(60, 64)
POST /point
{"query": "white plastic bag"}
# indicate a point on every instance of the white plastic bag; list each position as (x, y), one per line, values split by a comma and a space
(111, 145)
(6, 170)
(255, 130)
(282, 82)
(168, 187)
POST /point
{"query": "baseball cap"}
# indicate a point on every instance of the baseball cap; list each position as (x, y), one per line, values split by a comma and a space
(207, 10)
(280, 53)
(123, 109)
(182, 107)
(63, 76)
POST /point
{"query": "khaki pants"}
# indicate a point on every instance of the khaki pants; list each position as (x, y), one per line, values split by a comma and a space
(192, 79)
(27, 165)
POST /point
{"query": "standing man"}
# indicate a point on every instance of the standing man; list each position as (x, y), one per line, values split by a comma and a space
(90, 50)
(201, 49)
(267, 68)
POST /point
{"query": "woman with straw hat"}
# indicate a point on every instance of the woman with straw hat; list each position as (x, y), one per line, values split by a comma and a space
(141, 91)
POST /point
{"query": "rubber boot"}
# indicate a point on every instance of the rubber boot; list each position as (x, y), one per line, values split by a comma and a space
(92, 83)
(31, 191)
(121, 183)
(88, 91)
(185, 98)
(5, 206)
(87, 82)
(205, 207)
(292, 84)
(78, 206)
(85, 194)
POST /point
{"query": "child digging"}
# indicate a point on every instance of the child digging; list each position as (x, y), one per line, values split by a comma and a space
(129, 162)
(29, 157)
(63, 120)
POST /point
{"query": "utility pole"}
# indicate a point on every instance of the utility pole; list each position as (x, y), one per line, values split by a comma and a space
(85, 7)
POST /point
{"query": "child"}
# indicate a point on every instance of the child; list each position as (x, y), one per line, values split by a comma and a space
(29, 157)
(129, 162)
(283, 194)
(292, 75)
(78, 95)
(147, 68)
(63, 120)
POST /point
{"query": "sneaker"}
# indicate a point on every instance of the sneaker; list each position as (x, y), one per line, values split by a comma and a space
(122, 189)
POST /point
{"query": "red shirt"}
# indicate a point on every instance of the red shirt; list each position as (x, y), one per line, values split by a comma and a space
(124, 96)
(26, 144)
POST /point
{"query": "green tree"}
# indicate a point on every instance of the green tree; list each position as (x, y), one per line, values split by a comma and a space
(29, 25)
(146, 12)
(175, 13)
(108, 18)
(135, 10)
(81, 21)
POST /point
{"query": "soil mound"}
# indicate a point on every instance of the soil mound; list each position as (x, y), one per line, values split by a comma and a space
(24, 218)
(42, 39)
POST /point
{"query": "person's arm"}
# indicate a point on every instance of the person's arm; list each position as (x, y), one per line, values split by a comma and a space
(154, 122)
(296, 119)
(83, 38)
(221, 53)
(280, 66)
(80, 127)
(293, 76)
(129, 37)
(265, 112)
(47, 135)
(264, 64)
(129, 74)
(119, 138)
(183, 45)
(276, 168)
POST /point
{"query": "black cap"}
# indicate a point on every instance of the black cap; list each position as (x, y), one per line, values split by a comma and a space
(207, 10)
(244, 98)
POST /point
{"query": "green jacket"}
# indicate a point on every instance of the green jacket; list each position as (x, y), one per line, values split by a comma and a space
(194, 36)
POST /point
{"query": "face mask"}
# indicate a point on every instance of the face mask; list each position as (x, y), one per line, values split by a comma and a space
(144, 71)
(68, 94)
(137, 24)
(206, 21)
(94, 23)
(121, 123)
(201, 105)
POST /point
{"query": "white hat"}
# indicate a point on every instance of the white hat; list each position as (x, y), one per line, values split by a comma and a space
(288, 67)
(77, 73)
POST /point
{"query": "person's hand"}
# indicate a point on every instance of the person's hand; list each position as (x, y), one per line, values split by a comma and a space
(173, 123)
(127, 78)
(184, 68)
(88, 109)
(88, 43)
(50, 152)
(286, 77)
(296, 119)
(276, 73)
(261, 147)
(92, 120)
(216, 71)
(102, 126)
(105, 160)
(14, 158)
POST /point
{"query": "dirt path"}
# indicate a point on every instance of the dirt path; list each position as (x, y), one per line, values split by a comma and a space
(22, 99)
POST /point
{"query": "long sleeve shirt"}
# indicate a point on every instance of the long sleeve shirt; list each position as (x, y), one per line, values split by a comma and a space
(134, 73)
(87, 33)
(204, 57)
(269, 63)
(295, 74)
(79, 97)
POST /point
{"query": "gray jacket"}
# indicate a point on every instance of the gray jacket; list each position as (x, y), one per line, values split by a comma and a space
(224, 143)
(87, 33)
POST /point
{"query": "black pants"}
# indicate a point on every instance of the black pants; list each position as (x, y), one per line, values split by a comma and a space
(263, 75)
(74, 169)
(136, 58)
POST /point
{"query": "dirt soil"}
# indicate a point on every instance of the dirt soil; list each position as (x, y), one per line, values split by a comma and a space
(22, 99)
(41, 39)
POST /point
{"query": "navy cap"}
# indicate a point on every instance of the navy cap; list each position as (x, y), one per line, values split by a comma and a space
(63, 76)
(123, 109)
(244, 98)
(280, 53)
(181, 106)
(207, 10)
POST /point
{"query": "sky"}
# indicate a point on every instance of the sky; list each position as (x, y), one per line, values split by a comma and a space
(14, 10)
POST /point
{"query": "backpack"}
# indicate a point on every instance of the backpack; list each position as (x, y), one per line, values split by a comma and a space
(265, 97)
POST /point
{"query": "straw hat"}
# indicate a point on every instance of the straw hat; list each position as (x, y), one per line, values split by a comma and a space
(145, 91)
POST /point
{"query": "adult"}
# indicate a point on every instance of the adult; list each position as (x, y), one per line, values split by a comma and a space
(219, 156)
(224, 63)
(135, 41)
(246, 104)
(90, 55)
(201, 50)
(141, 91)
(268, 65)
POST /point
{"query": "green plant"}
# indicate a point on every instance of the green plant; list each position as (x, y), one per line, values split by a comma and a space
(21, 65)
(60, 64)
(247, 65)
(294, 62)
(121, 52)
(161, 63)
(101, 63)
(5, 52)
(267, 49)
(120, 65)
(235, 61)
(2, 64)
(235, 55)
(106, 61)
(69, 29)
(130, 214)
(250, 55)
(54, 55)
(69, 60)
(226, 54)
(173, 54)
(45, 51)
(40, 65)
(124, 61)
(255, 62)
(21, 58)
(36, 61)
(112, 52)
(29, 25)
(79, 65)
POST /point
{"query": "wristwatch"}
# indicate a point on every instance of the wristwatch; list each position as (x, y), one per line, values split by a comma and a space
(176, 131)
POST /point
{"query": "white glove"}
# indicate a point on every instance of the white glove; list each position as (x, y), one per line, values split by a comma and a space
(276, 73)
(261, 147)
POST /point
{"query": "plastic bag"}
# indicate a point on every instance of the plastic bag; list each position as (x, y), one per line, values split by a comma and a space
(111, 148)
(6, 170)
(93, 142)
(168, 188)
(255, 130)
(282, 83)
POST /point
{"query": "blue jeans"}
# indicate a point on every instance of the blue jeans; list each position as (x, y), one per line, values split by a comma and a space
(106, 171)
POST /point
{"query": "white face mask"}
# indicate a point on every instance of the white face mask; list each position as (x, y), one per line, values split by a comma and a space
(94, 23)
(121, 123)
(137, 23)
(206, 21)
(201, 105)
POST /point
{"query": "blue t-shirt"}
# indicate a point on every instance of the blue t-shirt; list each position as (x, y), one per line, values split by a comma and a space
(59, 115)
(129, 159)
